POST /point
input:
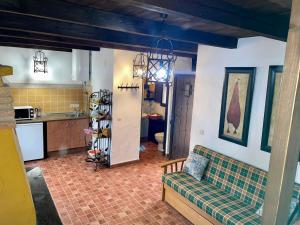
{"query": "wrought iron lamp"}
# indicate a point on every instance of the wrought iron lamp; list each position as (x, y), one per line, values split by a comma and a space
(40, 62)
(161, 62)
(139, 66)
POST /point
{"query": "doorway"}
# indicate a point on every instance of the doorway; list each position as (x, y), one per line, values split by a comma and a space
(183, 94)
(153, 120)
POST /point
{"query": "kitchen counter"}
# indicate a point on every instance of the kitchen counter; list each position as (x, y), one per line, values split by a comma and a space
(53, 117)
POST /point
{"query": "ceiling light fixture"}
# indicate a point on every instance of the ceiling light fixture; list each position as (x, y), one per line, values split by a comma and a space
(161, 61)
(40, 62)
(139, 66)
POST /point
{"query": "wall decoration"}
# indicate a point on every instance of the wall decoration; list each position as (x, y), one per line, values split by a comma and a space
(236, 104)
(128, 86)
(274, 80)
(148, 90)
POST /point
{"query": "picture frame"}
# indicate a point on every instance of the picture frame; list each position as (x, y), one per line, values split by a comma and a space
(160, 95)
(158, 92)
(236, 104)
(273, 88)
(148, 90)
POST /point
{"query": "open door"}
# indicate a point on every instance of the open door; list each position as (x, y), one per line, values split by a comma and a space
(182, 115)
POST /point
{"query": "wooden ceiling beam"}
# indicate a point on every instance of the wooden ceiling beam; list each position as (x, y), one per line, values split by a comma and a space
(18, 40)
(4, 32)
(74, 41)
(272, 26)
(33, 46)
(83, 15)
(143, 49)
(69, 30)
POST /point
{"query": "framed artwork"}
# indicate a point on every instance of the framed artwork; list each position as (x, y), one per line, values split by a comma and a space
(158, 92)
(236, 104)
(148, 90)
(274, 80)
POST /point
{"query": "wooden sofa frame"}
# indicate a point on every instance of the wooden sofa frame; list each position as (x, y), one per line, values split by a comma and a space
(180, 203)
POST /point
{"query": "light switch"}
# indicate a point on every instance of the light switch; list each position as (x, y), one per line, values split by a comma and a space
(201, 132)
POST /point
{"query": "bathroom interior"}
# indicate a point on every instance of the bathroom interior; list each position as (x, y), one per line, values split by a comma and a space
(153, 123)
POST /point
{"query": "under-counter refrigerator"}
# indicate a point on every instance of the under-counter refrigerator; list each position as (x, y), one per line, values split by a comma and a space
(31, 140)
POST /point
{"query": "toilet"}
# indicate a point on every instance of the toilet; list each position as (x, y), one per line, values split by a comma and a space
(159, 137)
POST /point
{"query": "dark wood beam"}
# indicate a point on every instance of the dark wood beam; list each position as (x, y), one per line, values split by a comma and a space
(49, 38)
(69, 30)
(286, 143)
(19, 40)
(32, 46)
(273, 26)
(142, 49)
(75, 41)
(73, 13)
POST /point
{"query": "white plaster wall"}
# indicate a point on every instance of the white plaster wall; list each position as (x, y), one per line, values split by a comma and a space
(256, 52)
(111, 68)
(102, 69)
(80, 65)
(127, 107)
(59, 67)
(183, 65)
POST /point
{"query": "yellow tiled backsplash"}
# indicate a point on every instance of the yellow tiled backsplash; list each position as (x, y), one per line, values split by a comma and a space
(48, 99)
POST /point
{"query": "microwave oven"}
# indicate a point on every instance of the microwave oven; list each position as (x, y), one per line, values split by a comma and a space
(24, 112)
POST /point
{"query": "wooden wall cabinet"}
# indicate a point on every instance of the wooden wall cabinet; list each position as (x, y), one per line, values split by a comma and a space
(66, 134)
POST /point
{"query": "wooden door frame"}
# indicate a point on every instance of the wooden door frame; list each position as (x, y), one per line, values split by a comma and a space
(166, 119)
(172, 120)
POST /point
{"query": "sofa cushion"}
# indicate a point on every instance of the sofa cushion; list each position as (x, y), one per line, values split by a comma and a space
(195, 165)
(244, 181)
(217, 203)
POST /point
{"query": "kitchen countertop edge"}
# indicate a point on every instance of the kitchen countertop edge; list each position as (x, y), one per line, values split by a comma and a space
(50, 118)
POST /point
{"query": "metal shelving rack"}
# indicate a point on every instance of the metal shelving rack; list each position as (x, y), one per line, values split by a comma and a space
(100, 105)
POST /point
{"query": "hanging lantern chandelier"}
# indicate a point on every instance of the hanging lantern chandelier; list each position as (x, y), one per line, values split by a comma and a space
(161, 61)
(40, 62)
(139, 66)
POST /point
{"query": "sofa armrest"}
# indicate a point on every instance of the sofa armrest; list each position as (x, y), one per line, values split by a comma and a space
(175, 165)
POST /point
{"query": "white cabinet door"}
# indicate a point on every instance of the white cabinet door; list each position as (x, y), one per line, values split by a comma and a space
(31, 140)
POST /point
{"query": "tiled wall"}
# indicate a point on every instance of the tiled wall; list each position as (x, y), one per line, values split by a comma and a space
(48, 99)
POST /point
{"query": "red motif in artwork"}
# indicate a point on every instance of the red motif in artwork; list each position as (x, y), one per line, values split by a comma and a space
(234, 110)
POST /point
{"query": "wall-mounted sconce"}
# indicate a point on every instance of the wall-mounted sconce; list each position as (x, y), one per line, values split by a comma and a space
(40, 62)
(139, 66)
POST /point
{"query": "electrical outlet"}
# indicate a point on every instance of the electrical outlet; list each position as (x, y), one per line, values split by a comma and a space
(74, 106)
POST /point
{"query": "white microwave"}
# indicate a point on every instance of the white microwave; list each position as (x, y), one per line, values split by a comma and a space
(24, 112)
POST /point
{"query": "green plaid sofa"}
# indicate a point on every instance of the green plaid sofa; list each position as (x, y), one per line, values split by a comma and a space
(231, 191)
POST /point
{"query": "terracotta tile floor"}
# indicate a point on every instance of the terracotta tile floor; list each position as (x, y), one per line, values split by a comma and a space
(129, 194)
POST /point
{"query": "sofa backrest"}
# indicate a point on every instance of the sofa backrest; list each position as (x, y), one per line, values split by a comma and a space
(244, 181)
